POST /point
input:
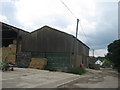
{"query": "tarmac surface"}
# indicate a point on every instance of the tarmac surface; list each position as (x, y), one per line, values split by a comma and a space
(104, 78)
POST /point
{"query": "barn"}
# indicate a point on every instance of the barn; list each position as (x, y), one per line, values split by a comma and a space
(9, 34)
(62, 50)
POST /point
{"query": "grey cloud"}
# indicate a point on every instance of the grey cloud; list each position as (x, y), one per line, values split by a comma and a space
(9, 10)
(107, 28)
(106, 23)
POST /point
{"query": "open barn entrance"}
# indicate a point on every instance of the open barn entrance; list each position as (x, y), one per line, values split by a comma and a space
(8, 36)
(9, 41)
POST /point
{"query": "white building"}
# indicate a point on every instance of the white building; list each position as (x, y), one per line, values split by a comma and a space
(99, 62)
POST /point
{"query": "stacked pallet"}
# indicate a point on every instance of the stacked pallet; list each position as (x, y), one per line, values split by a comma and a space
(38, 63)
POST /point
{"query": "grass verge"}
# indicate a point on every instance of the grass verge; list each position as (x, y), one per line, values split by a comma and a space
(77, 70)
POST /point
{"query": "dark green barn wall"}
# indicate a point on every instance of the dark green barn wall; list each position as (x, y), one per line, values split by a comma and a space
(56, 61)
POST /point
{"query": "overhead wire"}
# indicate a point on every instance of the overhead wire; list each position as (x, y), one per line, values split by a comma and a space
(80, 22)
(68, 9)
(91, 48)
(85, 35)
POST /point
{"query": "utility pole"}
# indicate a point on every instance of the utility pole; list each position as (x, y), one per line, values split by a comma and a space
(76, 37)
(93, 52)
(77, 27)
(75, 43)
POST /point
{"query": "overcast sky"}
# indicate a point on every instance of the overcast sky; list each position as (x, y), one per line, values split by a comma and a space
(98, 18)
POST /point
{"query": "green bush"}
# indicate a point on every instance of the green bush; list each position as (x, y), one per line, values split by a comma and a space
(107, 64)
(49, 68)
(3, 65)
(77, 70)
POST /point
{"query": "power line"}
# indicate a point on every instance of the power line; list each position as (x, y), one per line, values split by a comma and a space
(85, 34)
(87, 39)
(77, 19)
(68, 9)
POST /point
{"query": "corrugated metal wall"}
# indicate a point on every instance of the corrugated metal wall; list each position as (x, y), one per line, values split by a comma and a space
(53, 41)
(23, 58)
(23, 40)
(47, 40)
(62, 50)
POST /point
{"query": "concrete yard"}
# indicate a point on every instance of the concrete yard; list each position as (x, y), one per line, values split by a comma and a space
(33, 78)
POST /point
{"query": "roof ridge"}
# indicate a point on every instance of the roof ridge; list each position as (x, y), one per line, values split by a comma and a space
(12, 27)
(58, 31)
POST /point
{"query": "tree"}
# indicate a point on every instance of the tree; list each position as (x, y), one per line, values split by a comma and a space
(107, 64)
(114, 53)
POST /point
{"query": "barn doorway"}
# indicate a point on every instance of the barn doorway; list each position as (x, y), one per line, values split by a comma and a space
(9, 42)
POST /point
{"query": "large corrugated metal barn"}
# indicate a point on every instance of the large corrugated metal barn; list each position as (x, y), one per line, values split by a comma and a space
(62, 50)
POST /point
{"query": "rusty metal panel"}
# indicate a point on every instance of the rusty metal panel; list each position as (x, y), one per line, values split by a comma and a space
(78, 60)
